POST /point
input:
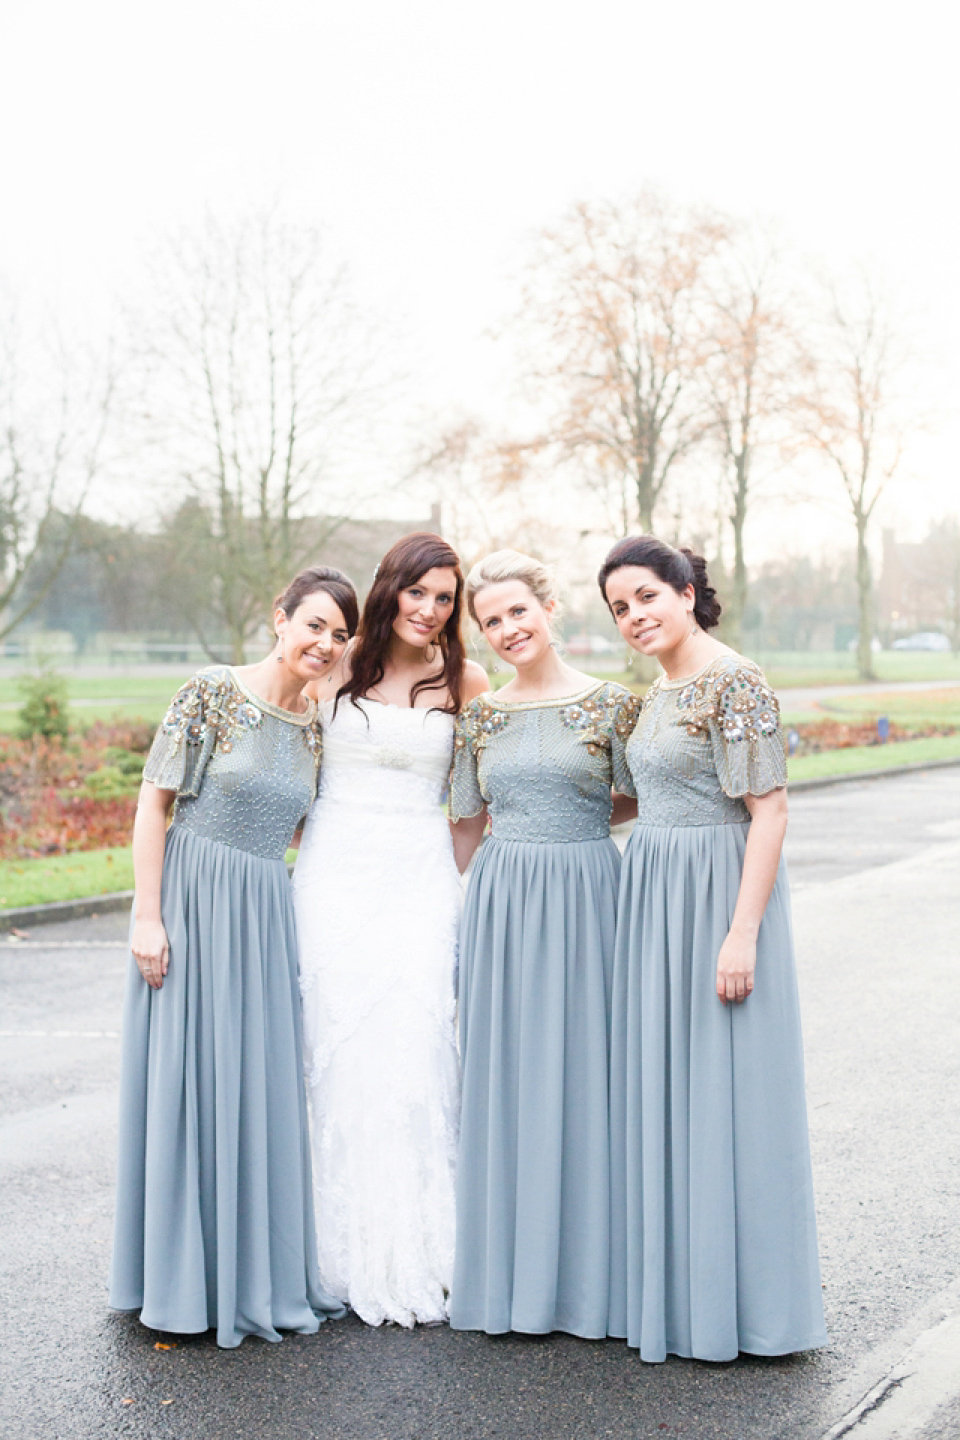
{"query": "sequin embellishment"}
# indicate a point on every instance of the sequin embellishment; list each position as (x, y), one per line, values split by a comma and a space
(591, 718)
(739, 699)
(477, 725)
(393, 757)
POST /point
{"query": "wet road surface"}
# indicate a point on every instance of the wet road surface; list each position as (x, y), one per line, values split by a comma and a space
(876, 873)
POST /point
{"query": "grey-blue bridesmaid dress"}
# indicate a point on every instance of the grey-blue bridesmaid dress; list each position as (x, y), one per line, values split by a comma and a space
(536, 957)
(214, 1222)
(714, 1243)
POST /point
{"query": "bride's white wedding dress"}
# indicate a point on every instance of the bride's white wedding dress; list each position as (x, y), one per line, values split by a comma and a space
(377, 900)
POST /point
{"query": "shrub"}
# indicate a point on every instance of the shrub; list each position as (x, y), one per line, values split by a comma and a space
(44, 709)
(58, 796)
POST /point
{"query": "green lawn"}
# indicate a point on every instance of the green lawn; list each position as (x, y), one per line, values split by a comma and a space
(69, 877)
(787, 670)
(103, 697)
(801, 670)
(873, 757)
(65, 877)
(923, 707)
(156, 688)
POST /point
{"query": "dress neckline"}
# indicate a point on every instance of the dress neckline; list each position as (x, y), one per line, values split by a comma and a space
(392, 705)
(307, 718)
(664, 684)
(543, 704)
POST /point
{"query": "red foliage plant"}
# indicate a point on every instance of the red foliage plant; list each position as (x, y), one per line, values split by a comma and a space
(819, 735)
(41, 812)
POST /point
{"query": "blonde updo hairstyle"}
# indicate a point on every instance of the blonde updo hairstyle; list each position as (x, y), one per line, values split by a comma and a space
(505, 565)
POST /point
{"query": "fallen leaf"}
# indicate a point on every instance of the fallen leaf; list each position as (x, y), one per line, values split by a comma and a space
(166, 1402)
(160, 1346)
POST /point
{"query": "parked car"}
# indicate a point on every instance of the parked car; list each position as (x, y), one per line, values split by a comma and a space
(923, 640)
(875, 645)
(591, 645)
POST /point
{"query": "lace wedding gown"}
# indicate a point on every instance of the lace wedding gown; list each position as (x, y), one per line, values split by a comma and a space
(377, 900)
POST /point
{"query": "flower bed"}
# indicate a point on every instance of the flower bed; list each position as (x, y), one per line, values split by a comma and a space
(817, 736)
(58, 796)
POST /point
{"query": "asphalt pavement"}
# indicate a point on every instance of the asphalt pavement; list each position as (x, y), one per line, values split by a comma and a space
(876, 874)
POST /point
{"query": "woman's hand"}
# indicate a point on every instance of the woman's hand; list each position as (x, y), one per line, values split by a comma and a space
(467, 835)
(151, 950)
(735, 966)
(738, 953)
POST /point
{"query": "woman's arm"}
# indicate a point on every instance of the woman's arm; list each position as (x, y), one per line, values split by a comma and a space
(467, 835)
(475, 681)
(149, 942)
(738, 953)
(624, 809)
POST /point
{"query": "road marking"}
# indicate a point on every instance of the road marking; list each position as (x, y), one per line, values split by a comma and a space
(59, 1034)
(908, 1397)
(64, 945)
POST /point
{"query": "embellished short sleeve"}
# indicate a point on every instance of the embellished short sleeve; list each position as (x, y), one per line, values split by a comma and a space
(604, 722)
(625, 717)
(186, 738)
(744, 725)
(466, 798)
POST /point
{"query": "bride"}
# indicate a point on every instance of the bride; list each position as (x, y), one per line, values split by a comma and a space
(377, 901)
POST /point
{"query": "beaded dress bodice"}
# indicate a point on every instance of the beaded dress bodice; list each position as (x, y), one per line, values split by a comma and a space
(244, 771)
(703, 743)
(544, 767)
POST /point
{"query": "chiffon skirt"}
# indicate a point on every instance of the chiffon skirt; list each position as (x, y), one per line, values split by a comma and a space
(714, 1244)
(533, 1198)
(214, 1219)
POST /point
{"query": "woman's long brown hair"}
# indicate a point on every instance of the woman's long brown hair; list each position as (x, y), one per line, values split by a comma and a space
(403, 565)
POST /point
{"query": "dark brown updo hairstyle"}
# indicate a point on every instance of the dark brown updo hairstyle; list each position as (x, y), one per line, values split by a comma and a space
(676, 568)
(403, 565)
(332, 582)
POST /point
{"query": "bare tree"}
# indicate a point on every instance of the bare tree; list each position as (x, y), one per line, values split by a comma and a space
(262, 376)
(852, 415)
(485, 486)
(613, 305)
(55, 415)
(746, 379)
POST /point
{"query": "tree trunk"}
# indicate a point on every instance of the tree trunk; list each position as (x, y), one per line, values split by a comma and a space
(733, 619)
(646, 498)
(865, 603)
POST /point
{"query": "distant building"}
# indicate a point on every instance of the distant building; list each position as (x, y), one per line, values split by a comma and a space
(912, 591)
(356, 546)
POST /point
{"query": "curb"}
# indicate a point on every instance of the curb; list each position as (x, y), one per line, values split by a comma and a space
(62, 910)
(818, 782)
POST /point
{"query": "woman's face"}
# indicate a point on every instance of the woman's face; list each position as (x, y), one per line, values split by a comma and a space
(650, 615)
(424, 608)
(312, 639)
(514, 622)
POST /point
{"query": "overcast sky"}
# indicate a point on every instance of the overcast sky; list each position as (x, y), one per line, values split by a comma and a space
(433, 137)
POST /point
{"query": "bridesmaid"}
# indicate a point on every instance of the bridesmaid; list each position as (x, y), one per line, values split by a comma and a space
(214, 1221)
(714, 1244)
(535, 967)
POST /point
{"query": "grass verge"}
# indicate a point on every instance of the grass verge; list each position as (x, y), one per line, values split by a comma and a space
(69, 877)
(873, 757)
(65, 877)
